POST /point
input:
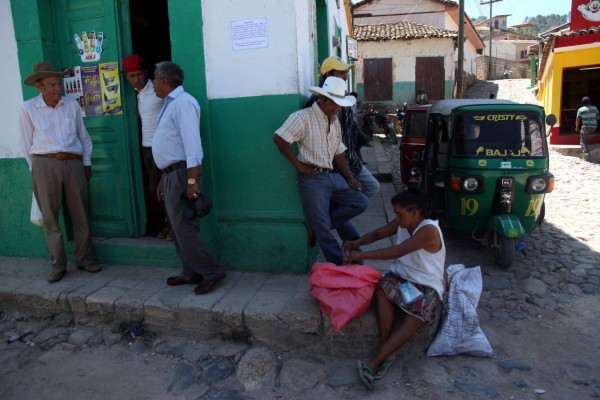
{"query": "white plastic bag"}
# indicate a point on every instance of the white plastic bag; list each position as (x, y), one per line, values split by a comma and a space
(36, 214)
(460, 332)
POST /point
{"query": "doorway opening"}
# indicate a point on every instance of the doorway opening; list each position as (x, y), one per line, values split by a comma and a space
(150, 38)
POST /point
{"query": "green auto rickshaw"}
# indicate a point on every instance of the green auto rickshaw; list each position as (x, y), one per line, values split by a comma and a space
(485, 170)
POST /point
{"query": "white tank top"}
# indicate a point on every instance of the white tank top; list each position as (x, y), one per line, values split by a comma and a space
(421, 266)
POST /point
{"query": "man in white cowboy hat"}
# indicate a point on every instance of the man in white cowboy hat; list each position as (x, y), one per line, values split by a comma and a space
(353, 139)
(58, 150)
(329, 198)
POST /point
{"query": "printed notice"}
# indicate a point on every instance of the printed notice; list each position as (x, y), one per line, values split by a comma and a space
(249, 34)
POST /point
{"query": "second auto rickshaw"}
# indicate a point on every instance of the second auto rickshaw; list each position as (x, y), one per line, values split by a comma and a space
(486, 170)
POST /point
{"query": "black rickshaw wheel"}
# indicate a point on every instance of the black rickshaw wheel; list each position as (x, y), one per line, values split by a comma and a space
(504, 251)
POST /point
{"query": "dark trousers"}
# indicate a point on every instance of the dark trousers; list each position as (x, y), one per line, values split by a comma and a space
(191, 249)
(154, 208)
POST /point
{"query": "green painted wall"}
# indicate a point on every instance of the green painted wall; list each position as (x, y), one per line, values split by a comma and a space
(21, 237)
(257, 222)
(261, 223)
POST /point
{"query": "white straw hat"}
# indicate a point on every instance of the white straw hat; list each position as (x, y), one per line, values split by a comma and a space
(334, 88)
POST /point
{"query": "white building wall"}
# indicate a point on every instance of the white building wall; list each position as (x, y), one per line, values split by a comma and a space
(12, 97)
(403, 55)
(285, 66)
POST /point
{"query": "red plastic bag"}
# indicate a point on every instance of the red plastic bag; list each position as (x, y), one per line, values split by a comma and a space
(344, 292)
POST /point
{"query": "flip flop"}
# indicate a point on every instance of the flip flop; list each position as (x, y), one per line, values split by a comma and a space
(383, 369)
(366, 375)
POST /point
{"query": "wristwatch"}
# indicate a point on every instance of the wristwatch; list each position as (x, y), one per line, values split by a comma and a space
(191, 181)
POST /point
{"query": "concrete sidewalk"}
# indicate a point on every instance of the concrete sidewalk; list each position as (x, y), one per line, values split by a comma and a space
(268, 309)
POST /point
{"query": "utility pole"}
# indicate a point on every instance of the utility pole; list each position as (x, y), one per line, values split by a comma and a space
(491, 30)
(461, 49)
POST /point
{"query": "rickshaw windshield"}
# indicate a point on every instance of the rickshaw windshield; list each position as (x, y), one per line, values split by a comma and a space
(498, 134)
(415, 126)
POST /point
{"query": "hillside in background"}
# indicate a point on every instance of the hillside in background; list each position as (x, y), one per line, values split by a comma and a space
(542, 23)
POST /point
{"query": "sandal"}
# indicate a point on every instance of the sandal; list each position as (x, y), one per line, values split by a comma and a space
(366, 375)
(383, 369)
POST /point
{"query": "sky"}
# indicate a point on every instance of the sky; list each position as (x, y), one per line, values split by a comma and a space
(518, 9)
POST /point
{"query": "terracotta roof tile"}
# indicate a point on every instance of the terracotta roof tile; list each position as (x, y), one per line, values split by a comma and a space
(579, 32)
(405, 30)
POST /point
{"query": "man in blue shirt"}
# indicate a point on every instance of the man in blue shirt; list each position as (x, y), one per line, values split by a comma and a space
(177, 151)
(586, 123)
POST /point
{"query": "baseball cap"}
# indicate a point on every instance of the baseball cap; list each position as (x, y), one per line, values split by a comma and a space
(133, 63)
(334, 63)
(586, 100)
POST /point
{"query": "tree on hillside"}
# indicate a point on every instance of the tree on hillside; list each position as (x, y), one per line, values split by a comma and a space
(546, 22)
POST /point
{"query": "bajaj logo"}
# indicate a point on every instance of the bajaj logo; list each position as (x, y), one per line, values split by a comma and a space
(506, 182)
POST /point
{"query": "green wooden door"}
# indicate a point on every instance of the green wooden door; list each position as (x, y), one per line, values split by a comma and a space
(116, 189)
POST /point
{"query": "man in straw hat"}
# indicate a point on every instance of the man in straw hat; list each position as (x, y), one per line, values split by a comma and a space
(58, 150)
(329, 198)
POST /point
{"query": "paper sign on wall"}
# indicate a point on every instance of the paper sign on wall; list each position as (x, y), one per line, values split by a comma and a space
(249, 34)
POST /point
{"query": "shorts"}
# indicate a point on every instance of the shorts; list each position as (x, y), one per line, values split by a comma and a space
(424, 308)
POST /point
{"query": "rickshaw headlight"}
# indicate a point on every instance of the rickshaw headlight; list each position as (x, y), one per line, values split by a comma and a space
(470, 184)
(540, 184)
(415, 171)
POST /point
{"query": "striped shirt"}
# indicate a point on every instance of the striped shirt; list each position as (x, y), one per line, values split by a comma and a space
(589, 116)
(319, 141)
(46, 129)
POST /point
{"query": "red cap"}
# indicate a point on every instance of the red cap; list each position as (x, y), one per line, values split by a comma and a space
(132, 63)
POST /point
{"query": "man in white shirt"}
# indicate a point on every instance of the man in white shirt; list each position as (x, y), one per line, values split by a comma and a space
(177, 150)
(148, 108)
(58, 150)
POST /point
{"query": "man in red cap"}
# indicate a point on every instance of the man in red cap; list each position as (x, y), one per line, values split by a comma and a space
(148, 108)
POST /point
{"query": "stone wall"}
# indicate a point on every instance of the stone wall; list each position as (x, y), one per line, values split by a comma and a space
(520, 70)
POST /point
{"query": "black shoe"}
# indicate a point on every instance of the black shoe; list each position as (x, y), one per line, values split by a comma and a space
(182, 280)
(208, 285)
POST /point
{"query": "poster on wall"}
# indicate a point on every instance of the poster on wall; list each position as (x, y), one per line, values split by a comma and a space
(92, 99)
(249, 34)
(111, 88)
(96, 88)
(73, 87)
(89, 47)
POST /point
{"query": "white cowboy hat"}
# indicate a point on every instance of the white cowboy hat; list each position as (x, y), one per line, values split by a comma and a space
(335, 89)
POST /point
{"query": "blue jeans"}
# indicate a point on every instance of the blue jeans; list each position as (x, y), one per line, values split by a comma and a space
(370, 186)
(328, 203)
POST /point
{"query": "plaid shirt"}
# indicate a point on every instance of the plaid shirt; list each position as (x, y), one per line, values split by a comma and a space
(319, 141)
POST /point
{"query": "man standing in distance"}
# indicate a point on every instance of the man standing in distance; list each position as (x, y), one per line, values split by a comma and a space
(330, 198)
(148, 107)
(586, 123)
(58, 150)
(177, 150)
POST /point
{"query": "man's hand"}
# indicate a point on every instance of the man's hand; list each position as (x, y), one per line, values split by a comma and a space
(306, 169)
(88, 172)
(354, 184)
(193, 191)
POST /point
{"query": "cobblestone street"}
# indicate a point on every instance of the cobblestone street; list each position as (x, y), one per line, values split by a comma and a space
(540, 317)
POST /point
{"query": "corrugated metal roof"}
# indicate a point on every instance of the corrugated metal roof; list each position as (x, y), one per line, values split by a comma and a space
(405, 30)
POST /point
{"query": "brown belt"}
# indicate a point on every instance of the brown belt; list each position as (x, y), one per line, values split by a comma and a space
(60, 156)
